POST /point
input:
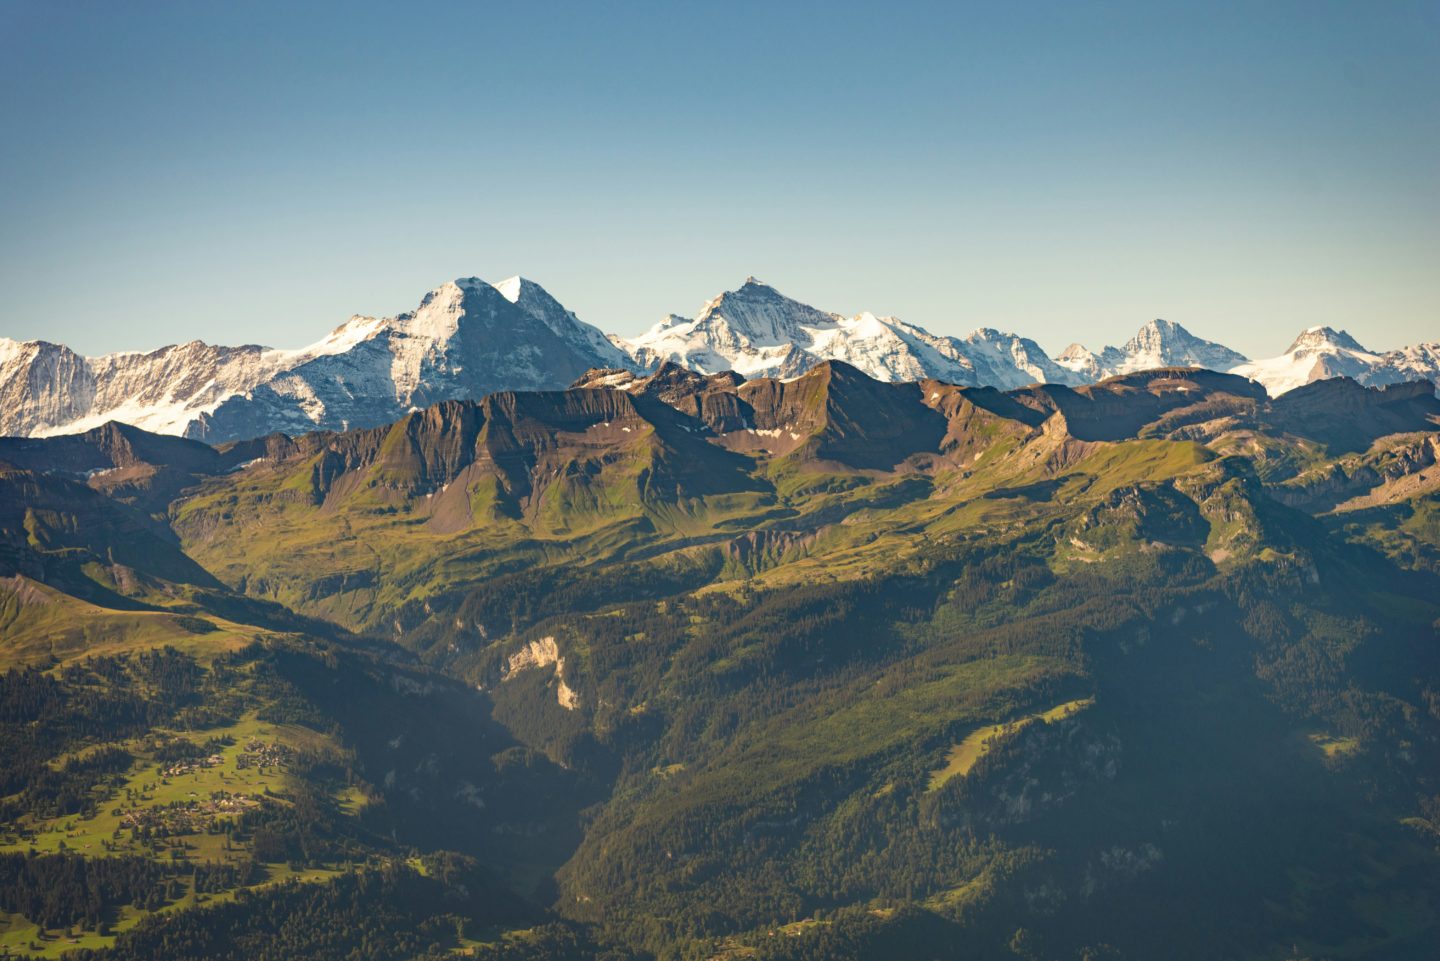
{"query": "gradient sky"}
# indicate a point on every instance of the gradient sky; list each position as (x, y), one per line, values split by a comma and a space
(257, 172)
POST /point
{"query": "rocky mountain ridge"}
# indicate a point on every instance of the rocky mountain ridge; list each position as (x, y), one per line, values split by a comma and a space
(679, 434)
(469, 338)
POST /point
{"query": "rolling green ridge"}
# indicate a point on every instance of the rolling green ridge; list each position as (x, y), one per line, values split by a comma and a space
(692, 667)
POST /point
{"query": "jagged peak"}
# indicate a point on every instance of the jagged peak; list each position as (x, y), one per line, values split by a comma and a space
(758, 312)
(755, 289)
(751, 290)
(1160, 337)
(37, 345)
(993, 335)
(532, 298)
(521, 290)
(454, 291)
(1160, 331)
(1322, 336)
(511, 288)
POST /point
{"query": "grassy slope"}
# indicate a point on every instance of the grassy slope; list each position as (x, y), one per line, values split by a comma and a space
(721, 731)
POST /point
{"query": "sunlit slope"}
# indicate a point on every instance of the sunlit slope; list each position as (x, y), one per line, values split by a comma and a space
(706, 479)
(1146, 667)
(82, 573)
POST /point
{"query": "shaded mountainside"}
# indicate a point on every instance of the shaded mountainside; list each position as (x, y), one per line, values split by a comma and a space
(677, 665)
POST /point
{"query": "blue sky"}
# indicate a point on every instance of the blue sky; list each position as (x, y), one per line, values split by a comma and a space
(257, 172)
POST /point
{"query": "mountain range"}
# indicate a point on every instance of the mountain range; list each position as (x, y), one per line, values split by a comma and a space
(465, 339)
(469, 338)
(670, 665)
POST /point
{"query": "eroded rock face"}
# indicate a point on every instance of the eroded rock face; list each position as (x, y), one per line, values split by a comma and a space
(540, 654)
(535, 654)
(1166, 398)
(757, 550)
(1381, 475)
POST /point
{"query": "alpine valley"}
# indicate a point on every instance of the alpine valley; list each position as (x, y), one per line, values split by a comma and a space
(770, 634)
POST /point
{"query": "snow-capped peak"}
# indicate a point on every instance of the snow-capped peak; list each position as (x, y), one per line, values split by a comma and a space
(1157, 335)
(539, 304)
(9, 349)
(1159, 343)
(761, 315)
(510, 287)
(468, 337)
(1319, 338)
(465, 338)
(759, 332)
(1323, 352)
(1172, 345)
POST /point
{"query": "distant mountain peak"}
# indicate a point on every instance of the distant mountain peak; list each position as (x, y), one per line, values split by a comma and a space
(511, 287)
(753, 289)
(1161, 334)
(1158, 343)
(518, 288)
(464, 339)
(468, 336)
(757, 331)
(1313, 338)
(1320, 353)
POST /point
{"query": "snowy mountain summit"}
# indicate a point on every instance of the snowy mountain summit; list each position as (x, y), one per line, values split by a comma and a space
(467, 338)
(757, 331)
(1160, 343)
(1320, 353)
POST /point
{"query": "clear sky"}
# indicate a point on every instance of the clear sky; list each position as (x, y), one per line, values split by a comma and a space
(257, 172)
